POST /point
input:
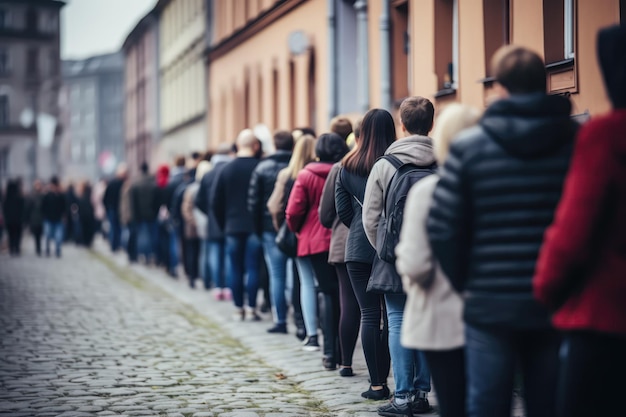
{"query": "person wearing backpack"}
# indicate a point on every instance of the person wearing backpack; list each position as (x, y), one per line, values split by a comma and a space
(405, 162)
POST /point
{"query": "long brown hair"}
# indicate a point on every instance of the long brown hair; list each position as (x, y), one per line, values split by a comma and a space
(378, 131)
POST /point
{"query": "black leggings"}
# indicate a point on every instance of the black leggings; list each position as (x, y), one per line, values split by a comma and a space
(15, 238)
(591, 380)
(447, 368)
(374, 329)
(329, 310)
(350, 316)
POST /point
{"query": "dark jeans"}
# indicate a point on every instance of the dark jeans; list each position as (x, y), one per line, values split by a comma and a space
(192, 258)
(147, 238)
(295, 298)
(374, 336)
(447, 369)
(15, 238)
(592, 376)
(37, 231)
(244, 260)
(217, 261)
(131, 244)
(492, 355)
(115, 229)
(328, 286)
(349, 316)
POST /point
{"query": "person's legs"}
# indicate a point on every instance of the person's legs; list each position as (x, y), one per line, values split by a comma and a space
(36, 231)
(131, 247)
(217, 259)
(203, 264)
(48, 236)
(173, 253)
(58, 237)
(192, 252)
(329, 315)
(349, 318)
(295, 302)
(235, 251)
(276, 262)
(253, 259)
(539, 355)
(308, 295)
(490, 368)
(447, 368)
(373, 338)
(13, 231)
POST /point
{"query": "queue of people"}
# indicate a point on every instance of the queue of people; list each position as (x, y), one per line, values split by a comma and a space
(475, 249)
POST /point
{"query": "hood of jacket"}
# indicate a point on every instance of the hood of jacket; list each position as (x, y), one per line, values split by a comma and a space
(612, 57)
(530, 125)
(319, 169)
(414, 149)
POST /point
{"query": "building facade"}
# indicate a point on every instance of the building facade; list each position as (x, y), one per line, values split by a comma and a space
(300, 62)
(141, 92)
(183, 28)
(92, 105)
(30, 79)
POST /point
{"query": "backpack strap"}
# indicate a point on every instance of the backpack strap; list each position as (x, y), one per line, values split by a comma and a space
(393, 160)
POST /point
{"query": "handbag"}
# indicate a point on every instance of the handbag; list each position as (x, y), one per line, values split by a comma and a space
(287, 241)
(384, 278)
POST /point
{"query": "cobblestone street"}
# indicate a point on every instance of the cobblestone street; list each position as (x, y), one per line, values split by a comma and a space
(88, 335)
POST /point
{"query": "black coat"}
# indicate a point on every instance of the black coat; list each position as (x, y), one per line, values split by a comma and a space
(349, 210)
(205, 195)
(498, 192)
(261, 187)
(112, 194)
(54, 207)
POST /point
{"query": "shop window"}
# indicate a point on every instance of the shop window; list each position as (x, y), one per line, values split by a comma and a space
(446, 45)
(496, 22)
(559, 27)
(400, 48)
(4, 110)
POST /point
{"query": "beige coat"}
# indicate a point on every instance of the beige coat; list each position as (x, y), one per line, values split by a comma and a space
(433, 311)
(275, 204)
(186, 210)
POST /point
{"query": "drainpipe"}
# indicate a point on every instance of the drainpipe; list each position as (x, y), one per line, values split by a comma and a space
(332, 59)
(362, 71)
(385, 57)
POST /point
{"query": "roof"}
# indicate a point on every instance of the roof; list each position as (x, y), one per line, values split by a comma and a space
(140, 28)
(93, 65)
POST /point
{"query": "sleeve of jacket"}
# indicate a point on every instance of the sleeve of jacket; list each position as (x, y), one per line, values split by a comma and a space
(568, 243)
(413, 254)
(255, 199)
(217, 200)
(327, 211)
(298, 204)
(448, 218)
(202, 196)
(373, 202)
(343, 202)
(275, 203)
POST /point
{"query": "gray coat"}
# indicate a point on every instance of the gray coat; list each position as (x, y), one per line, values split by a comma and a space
(330, 220)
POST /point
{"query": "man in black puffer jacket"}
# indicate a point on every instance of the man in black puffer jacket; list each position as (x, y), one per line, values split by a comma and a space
(261, 187)
(497, 195)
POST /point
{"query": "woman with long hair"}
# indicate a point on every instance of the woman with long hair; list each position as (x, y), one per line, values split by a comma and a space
(377, 133)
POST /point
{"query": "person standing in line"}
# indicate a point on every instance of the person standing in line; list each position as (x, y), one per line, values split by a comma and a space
(229, 205)
(302, 218)
(497, 194)
(13, 207)
(34, 215)
(111, 201)
(350, 314)
(377, 133)
(580, 271)
(261, 187)
(144, 211)
(306, 323)
(433, 321)
(54, 209)
(129, 231)
(86, 214)
(177, 177)
(410, 372)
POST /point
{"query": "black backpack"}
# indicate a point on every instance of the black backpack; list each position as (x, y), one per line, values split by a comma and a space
(390, 223)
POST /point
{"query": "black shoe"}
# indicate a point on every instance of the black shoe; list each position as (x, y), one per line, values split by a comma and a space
(311, 344)
(265, 307)
(393, 409)
(421, 405)
(329, 364)
(346, 372)
(376, 395)
(301, 333)
(278, 328)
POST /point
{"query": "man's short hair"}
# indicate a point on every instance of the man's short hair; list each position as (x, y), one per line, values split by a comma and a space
(283, 140)
(54, 180)
(519, 70)
(341, 126)
(144, 167)
(417, 114)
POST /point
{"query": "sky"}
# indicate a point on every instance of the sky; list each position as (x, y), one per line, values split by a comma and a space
(93, 27)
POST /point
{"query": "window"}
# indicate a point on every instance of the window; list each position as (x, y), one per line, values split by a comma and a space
(4, 61)
(32, 61)
(90, 151)
(559, 21)
(75, 93)
(76, 151)
(32, 20)
(446, 43)
(4, 19)
(496, 22)
(4, 110)
(53, 60)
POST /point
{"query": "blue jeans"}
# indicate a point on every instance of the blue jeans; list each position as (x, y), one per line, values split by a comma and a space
(244, 261)
(308, 294)
(204, 267)
(276, 262)
(53, 231)
(491, 359)
(173, 252)
(410, 372)
(147, 238)
(115, 229)
(217, 260)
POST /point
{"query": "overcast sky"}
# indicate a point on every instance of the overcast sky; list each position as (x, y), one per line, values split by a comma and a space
(92, 27)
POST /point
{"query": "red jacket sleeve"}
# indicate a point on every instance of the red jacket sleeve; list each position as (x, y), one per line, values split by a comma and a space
(568, 242)
(298, 204)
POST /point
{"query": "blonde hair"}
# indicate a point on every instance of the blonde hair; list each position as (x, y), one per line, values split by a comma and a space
(303, 153)
(202, 168)
(452, 120)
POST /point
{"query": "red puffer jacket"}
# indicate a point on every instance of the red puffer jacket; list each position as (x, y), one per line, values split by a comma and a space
(302, 214)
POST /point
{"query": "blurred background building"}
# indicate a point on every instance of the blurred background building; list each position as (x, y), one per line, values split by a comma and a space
(30, 79)
(92, 108)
